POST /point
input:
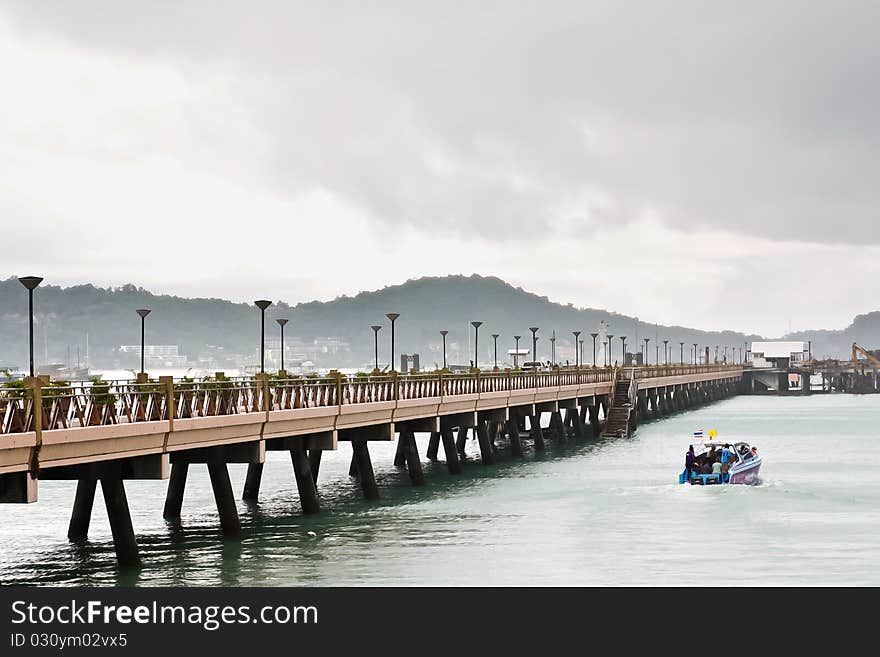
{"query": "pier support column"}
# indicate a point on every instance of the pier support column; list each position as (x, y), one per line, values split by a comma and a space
(557, 426)
(536, 432)
(365, 469)
(594, 420)
(252, 481)
(225, 499)
(486, 451)
(576, 421)
(461, 442)
(315, 462)
(176, 487)
(513, 436)
(305, 482)
(119, 515)
(81, 515)
(453, 464)
(399, 456)
(353, 467)
(413, 461)
(433, 445)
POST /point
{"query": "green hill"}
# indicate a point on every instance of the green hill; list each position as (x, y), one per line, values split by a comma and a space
(225, 330)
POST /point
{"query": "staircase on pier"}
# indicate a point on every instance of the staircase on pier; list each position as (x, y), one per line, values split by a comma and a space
(617, 424)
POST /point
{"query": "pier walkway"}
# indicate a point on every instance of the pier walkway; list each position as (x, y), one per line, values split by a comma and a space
(116, 431)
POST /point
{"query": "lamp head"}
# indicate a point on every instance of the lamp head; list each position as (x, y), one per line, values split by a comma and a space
(533, 329)
(376, 328)
(262, 304)
(517, 337)
(143, 312)
(392, 316)
(495, 336)
(576, 334)
(594, 335)
(476, 324)
(30, 282)
(281, 321)
(444, 332)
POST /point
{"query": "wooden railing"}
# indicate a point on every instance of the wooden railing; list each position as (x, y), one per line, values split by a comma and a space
(83, 404)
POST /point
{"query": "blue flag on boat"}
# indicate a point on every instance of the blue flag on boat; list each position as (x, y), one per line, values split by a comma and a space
(698, 434)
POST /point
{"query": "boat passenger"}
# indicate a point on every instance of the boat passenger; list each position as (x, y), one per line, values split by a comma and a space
(716, 468)
(689, 461)
(726, 458)
(706, 468)
(754, 451)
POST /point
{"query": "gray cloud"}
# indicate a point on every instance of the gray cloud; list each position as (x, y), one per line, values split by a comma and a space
(756, 116)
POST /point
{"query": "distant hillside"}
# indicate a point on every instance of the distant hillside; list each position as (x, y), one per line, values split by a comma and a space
(218, 328)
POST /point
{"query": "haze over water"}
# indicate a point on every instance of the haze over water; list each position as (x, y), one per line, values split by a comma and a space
(589, 512)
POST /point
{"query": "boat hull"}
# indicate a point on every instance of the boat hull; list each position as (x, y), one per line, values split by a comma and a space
(745, 473)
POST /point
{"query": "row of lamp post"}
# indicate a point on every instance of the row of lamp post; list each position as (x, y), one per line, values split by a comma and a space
(31, 283)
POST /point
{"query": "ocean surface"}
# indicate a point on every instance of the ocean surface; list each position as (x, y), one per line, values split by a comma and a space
(606, 512)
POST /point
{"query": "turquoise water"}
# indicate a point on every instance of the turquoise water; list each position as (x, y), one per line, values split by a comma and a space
(588, 512)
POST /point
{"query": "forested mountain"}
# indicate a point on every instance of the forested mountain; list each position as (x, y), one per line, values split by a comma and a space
(426, 305)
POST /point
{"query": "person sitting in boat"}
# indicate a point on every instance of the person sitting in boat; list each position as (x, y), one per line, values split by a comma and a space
(716, 468)
(706, 468)
(754, 451)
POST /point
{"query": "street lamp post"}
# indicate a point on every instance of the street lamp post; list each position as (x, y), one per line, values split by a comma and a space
(392, 317)
(581, 351)
(594, 335)
(534, 330)
(577, 359)
(143, 312)
(553, 349)
(31, 282)
(647, 340)
(281, 323)
(695, 354)
(376, 328)
(716, 353)
(610, 350)
(605, 347)
(495, 338)
(623, 349)
(665, 353)
(516, 352)
(262, 304)
(476, 326)
(681, 353)
(443, 333)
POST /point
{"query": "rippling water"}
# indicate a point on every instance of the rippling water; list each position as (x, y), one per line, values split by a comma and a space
(589, 512)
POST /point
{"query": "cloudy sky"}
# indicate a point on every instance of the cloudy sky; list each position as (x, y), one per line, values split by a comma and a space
(706, 164)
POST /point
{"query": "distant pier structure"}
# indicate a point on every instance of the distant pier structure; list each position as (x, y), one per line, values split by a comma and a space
(788, 367)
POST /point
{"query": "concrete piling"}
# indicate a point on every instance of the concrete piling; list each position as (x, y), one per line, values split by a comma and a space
(118, 513)
(453, 463)
(513, 436)
(81, 516)
(305, 481)
(176, 487)
(252, 481)
(433, 445)
(486, 451)
(315, 462)
(365, 469)
(224, 498)
(535, 431)
(413, 461)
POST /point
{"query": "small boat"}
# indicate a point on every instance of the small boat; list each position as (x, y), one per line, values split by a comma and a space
(743, 469)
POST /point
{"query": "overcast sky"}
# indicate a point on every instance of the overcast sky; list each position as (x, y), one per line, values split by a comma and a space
(706, 164)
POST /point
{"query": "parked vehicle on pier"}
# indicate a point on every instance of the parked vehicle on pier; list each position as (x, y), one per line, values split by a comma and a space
(743, 466)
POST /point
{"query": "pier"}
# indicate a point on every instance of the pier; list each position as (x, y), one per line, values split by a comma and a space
(110, 432)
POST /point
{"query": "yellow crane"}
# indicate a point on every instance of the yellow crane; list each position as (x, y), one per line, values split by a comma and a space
(873, 361)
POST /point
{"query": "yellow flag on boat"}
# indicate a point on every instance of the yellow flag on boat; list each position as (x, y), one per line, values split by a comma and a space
(712, 433)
